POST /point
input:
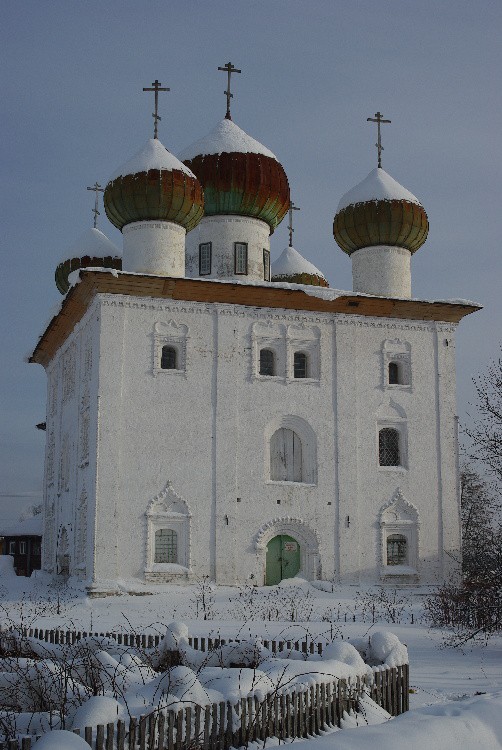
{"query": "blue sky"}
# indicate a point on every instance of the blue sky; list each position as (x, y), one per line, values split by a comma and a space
(312, 72)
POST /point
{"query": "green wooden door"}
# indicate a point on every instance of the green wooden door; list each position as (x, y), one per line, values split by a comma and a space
(283, 559)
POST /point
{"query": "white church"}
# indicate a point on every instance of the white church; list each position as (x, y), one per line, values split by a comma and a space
(209, 414)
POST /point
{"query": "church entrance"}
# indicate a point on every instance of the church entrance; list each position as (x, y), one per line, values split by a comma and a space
(283, 559)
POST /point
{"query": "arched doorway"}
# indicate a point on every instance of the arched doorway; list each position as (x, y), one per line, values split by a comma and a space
(283, 559)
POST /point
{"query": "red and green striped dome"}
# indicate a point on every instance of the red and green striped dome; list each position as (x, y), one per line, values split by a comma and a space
(239, 175)
(154, 185)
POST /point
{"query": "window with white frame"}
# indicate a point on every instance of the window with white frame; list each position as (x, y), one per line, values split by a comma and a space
(396, 364)
(300, 365)
(169, 348)
(205, 257)
(266, 264)
(389, 448)
(241, 257)
(12, 548)
(286, 456)
(267, 362)
(166, 546)
(22, 548)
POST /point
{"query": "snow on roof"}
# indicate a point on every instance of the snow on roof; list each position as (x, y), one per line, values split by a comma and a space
(93, 243)
(153, 155)
(378, 185)
(290, 263)
(225, 137)
(31, 527)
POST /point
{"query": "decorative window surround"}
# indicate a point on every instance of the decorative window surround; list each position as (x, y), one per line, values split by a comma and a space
(174, 335)
(168, 511)
(284, 342)
(392, 416)
(398, 516)
(306, 340)
(398, 352)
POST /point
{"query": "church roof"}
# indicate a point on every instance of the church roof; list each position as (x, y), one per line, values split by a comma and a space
(153, 155)
(291, 263)
(225, 137)
(377, 186)
(30, 527)
(93, 243)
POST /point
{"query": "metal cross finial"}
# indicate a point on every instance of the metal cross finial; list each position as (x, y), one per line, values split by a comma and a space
(292, 208)
(156, 86)
(230, 69)
(97, 189)
(378, 119)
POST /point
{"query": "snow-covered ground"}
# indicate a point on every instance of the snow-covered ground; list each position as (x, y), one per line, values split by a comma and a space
(456, 698)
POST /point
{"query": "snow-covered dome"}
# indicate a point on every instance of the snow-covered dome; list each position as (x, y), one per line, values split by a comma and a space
(154, 185)
(380, 211)
(93, 249)
(292, 267)
(239, 175)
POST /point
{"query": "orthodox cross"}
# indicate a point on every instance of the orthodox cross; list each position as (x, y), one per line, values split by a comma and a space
(378, 119)
(230, 69)
(156, 86)
(97, 189)
(292, 208)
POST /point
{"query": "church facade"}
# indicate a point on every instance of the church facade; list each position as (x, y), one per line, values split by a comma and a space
(209, 415)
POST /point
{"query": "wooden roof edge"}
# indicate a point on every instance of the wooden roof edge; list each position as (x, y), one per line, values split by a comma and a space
(93, 282)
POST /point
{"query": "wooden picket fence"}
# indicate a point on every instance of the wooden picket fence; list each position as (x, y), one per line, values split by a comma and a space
(145, 641)
(224, 725)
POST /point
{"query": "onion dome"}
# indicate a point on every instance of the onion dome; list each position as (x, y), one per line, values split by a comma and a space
(238, 175)
(292, 267)
(92, 250)
(380, 211)
(154, 185)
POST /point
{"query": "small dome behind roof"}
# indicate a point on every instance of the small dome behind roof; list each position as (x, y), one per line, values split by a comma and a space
(292, 267)
(380, 211)
(154, 185)
(93, 249)
(239, 175)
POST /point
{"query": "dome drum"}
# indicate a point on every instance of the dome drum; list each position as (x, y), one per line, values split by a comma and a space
(398, 223)
(157, 194)
(245, 184)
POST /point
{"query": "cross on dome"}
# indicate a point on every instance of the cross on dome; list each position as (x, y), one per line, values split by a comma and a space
(156, 86)
(378, 119)
(97, 189)
(292, 208)
(230, 68)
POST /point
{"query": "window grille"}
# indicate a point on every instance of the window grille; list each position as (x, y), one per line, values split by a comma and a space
(286, 456)
(388, 447)
(300, 365)
(241, 257)
(393, 373)
(166, 546)
(266, 264)
(267, 363)
(397, 552)
(205, 258)
(169, 357)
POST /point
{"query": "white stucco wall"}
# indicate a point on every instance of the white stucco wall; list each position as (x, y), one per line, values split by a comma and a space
(204, 428)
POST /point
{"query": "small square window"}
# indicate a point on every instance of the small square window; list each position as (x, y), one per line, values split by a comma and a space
(205, 253)
(241, 258)
(169, 359)
(266, 264)
(267, 362)
(300, 365)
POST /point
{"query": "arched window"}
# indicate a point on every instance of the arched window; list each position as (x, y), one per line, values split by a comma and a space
(169, 360)
(267, 362)
(300, 363)
(393, 373)
(397, 549)
(388, 447)
(166, 546)
(286, 456)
